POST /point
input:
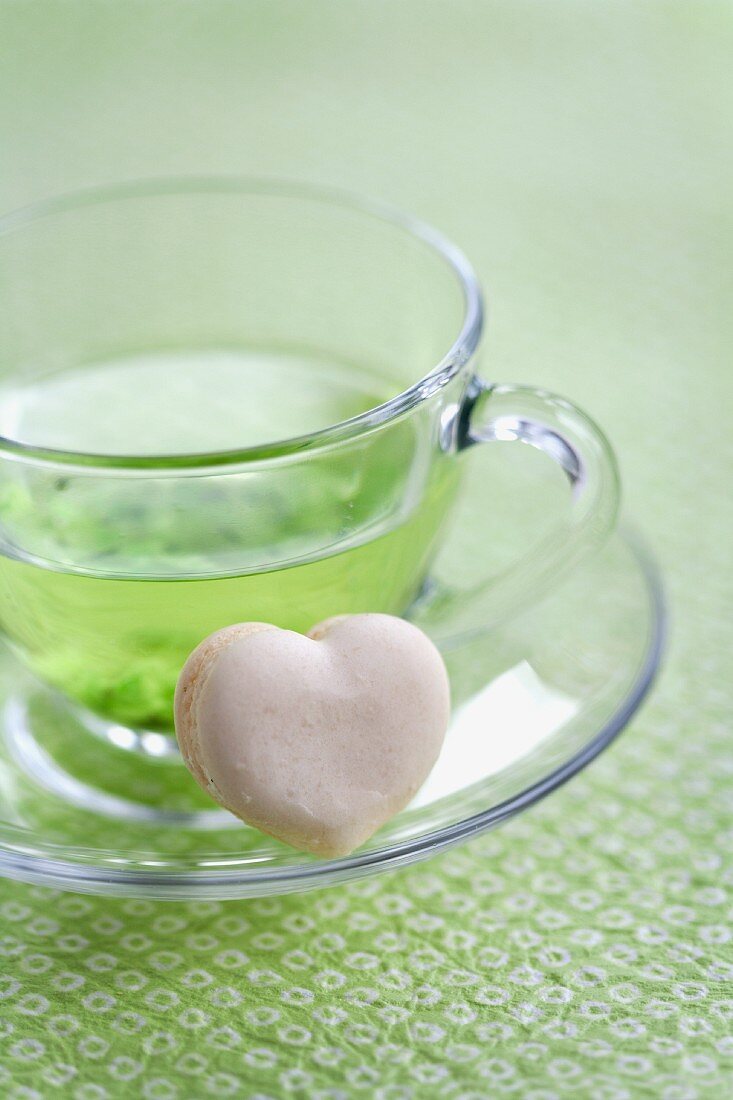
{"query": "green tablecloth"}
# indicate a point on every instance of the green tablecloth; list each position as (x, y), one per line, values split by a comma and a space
(581, 154)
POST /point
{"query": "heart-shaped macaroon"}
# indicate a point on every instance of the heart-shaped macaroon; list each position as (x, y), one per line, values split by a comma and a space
(315, 739)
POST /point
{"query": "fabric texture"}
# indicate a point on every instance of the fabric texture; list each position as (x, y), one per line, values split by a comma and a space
(579, 153)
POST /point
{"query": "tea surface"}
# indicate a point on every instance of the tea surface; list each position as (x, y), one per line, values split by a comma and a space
(187, 402)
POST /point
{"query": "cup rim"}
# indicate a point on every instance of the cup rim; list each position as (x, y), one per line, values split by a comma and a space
(460, 351)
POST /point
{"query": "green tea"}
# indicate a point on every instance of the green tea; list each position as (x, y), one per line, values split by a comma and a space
(114, 643)
(117, 646)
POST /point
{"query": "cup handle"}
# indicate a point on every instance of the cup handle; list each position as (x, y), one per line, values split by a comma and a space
(496, 413)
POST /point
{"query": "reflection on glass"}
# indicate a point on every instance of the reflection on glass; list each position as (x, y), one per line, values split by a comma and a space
(502, 723)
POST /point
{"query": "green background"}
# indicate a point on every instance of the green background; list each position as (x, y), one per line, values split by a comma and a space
(582, 154)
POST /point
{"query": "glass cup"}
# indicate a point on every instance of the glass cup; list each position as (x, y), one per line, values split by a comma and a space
(226, 400)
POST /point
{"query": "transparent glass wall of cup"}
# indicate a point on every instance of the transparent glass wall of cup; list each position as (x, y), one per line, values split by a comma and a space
(117, 559)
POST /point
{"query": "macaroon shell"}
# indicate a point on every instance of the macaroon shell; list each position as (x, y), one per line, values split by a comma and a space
(317, 740)
(194, 672)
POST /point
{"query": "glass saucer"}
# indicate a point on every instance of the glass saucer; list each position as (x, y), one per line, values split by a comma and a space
(535, 699)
